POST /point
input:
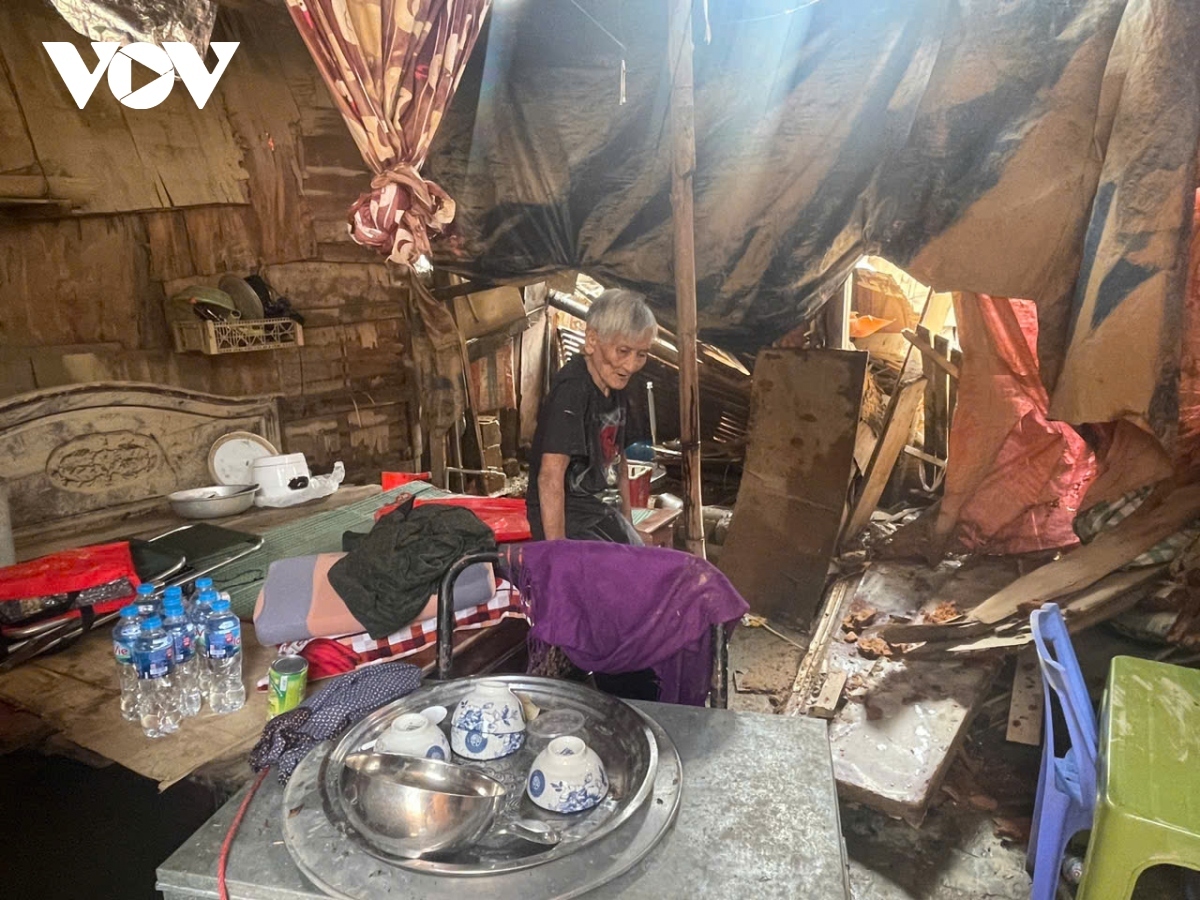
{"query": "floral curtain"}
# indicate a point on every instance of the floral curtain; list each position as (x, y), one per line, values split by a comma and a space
(392, 67)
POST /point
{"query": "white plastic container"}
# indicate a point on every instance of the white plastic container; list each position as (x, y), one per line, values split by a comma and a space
(279, 476)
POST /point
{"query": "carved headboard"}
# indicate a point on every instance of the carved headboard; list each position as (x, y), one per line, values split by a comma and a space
(114, 448)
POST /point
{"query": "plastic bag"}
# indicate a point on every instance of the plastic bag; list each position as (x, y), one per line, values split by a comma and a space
(318, 486)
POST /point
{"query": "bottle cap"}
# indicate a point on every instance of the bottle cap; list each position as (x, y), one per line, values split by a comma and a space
(151, 623)
(220, 606)
(145, 589)
(173, 607)
(203, 583)
(174, 591)
(129, 612)
(209, 596)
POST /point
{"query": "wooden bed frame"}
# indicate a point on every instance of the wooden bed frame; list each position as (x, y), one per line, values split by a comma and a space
(86, 458)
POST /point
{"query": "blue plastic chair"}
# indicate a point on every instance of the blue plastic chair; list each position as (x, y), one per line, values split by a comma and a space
(1066, 797)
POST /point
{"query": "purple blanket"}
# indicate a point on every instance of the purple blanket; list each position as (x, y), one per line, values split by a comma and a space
(613, 608)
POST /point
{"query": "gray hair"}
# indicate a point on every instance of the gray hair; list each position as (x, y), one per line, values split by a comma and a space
(620, 312)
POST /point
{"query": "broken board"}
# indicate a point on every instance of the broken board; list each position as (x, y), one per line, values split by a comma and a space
(896, 432)
(803, 421)
(1025, 709)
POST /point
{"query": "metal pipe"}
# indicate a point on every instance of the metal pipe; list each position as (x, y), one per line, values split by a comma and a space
(719, 689)
(653, 416)
(445, 609)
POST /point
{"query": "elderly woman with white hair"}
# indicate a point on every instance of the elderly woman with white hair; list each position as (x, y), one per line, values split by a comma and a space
(578, 453)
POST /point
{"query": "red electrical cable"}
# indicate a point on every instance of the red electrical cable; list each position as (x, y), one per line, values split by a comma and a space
(223, 859)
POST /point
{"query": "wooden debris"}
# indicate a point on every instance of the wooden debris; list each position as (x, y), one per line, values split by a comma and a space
(896, 431)
(850, 637)
(826, 628)
(1103, 600)
(1025, 712)
(1164, 512)
(1078, 581)
(921, 342)
(831, 692)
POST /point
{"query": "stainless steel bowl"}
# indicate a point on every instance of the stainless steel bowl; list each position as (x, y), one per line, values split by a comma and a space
(414, 807)
(213, 502)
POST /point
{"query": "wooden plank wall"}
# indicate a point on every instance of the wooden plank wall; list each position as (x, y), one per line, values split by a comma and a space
(82, 291)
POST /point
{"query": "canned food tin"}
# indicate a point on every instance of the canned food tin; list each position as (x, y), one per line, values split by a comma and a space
(286, 682)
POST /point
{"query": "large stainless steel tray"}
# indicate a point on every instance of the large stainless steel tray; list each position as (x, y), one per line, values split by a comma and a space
(341, 868)
(616, 731)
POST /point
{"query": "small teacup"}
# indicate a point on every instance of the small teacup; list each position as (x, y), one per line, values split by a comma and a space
(488, 722)
(567, 777)
(483, 746)
(414, 735)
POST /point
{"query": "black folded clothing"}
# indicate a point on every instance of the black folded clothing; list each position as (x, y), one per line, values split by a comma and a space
(390, 575)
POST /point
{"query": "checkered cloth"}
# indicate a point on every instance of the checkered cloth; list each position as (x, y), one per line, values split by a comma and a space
(333, 656)
(1104, 516)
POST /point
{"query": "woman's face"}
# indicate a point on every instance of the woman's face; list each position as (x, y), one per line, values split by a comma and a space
(614, 360)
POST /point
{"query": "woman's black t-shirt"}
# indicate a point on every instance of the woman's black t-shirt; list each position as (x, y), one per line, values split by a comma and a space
(578, 421)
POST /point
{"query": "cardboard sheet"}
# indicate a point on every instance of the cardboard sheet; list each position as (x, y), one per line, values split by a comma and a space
(76, 693)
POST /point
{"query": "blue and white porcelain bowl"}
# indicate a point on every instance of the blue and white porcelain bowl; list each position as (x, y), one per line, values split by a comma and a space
(488, 722)
(567, 777)
(481, 745)
(414, 735)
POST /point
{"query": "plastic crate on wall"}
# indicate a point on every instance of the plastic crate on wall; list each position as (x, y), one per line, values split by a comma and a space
(236, 336)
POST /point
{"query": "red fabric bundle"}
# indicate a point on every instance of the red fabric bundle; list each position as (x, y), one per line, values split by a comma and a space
(69, 572)
(504, 515)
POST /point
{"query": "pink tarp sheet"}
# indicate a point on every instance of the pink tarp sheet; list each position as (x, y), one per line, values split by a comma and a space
(1015, 479)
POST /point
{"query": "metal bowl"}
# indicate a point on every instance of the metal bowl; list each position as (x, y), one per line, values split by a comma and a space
(213, 502)
(414, 807)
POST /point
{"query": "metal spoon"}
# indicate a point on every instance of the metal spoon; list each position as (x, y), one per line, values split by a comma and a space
(531, 830)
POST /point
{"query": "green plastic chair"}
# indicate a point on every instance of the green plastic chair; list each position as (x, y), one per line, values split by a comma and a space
(1148, 803)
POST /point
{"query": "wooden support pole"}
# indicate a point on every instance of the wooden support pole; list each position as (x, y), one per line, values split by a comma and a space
(683, 159)
(683, 167)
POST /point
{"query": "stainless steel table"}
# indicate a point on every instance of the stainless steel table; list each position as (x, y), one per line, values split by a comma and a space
(758, 819)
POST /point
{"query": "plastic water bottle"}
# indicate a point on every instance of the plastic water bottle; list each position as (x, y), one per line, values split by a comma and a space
(125, 634)
(147, 603)
(223, 644)
(187, 665)
(158, 697)
(198, 586)
(201, 609)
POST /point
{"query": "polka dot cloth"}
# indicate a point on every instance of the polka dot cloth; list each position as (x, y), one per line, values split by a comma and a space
(287, 738)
